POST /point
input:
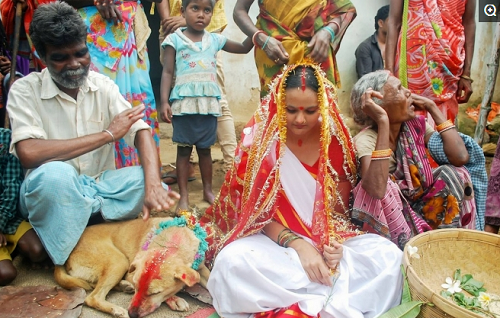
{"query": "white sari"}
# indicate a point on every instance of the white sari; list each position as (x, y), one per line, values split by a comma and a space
(254, 274)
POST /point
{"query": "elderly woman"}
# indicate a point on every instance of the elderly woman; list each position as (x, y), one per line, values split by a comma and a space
(399, 194)
(281, 221)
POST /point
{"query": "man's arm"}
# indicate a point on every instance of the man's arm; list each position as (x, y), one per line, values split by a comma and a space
(363, 60)
(393, 28)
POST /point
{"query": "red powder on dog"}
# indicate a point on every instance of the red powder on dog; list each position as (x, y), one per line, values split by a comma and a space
(152, 270)
(184, 276)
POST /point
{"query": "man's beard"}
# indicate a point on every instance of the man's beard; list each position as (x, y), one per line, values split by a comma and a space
(64, 79)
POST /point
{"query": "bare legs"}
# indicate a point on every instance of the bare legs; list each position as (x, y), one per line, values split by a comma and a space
(183, 166)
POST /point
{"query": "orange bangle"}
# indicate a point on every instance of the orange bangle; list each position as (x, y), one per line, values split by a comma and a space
(386, 153)
(444, 125)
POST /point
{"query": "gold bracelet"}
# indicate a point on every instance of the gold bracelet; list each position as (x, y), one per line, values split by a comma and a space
(465, 77)
(381, 158)
(444, 125)
(446, 129)
(386, 153)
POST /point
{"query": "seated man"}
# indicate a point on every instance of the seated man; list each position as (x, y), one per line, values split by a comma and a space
(370, 53)
(65, 120)
(16, 235)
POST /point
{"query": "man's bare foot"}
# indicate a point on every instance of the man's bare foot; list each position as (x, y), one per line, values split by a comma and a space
(45, 264)
(209, 197)
(170, 177)
(183, 205)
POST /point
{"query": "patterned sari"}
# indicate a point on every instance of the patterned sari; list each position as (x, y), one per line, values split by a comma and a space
(430, 53)
(120, 52)
(294, 23)
(492, 216)
(249, 196)
(418, 198)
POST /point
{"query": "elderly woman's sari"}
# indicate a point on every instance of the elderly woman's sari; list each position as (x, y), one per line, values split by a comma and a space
(418, 198)
(251, 274)
(294, 23)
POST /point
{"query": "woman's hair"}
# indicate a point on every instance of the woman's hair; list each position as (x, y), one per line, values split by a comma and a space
(376, 80)
(57, 24)
(302, 76)
(382, 14)
(186, 2)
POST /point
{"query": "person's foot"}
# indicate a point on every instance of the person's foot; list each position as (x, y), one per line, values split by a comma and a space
(170, 177)
(182, 205)
(209, 197)
(45, 264)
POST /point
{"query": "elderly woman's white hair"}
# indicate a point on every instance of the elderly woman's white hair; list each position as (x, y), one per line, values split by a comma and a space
(375, 80)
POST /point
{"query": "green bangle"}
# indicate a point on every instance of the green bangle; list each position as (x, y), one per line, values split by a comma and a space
(279, 235)
(265, 43)
(293, 238)
(329, 30)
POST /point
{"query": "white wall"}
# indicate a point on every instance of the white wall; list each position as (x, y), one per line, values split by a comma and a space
(241, 75)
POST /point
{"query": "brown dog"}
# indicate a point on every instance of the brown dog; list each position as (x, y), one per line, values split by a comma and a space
(129, 256)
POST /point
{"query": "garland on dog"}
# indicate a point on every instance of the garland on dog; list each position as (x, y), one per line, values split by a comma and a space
(181, 221)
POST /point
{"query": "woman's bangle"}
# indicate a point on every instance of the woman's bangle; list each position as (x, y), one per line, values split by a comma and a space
(280, 234)
(329, 30)
(337, 24)
(381, 154)
(467, 78)
(445, 129)
(291, 239)
(285, 237)
(444, 125)
(265, 43)
(111, 134)
(255, 35)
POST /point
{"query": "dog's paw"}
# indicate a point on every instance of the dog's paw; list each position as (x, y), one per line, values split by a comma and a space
(126, 287)
(177, 303)
(120, 312)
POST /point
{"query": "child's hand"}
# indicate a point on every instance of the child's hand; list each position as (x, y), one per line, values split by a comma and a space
(3, 240)
(166, 112)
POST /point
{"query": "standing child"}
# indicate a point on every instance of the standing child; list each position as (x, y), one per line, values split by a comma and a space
(192, 106)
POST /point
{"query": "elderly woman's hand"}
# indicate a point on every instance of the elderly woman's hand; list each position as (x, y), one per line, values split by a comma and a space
(372, 109)
(319, 46)
(422, 103)
(109, 11)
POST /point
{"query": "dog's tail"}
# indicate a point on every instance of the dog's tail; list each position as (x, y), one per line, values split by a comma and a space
(67, 281)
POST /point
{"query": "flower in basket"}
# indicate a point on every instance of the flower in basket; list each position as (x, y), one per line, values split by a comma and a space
(413, 251)
(484, 299)
(452, 286)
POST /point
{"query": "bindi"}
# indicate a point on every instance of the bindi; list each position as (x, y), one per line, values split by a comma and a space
(301, 108)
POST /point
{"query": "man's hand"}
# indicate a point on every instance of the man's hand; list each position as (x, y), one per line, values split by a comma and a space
(122, 122)
(22, 2)
(319, 46)
(3, 240)
(4, 65)
(464, 90)
(109, 11)
(171, 24)
(158, 199)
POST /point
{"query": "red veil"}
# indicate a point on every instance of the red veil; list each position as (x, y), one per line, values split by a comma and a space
(246, 201)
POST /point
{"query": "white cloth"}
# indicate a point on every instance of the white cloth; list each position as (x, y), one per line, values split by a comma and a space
(254, 274)
(39, 110)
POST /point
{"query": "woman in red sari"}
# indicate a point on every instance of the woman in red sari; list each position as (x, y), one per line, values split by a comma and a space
(430, 44)
(289, 30)
(283, 242)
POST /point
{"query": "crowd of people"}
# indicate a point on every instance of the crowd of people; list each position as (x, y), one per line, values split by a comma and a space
(329, 212)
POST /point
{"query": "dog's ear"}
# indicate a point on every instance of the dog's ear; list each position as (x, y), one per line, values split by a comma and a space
(188, 275)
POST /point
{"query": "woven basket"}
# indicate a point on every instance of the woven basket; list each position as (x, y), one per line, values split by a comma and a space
(441, 253)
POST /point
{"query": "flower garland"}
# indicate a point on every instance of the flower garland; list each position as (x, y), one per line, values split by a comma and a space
(181, 221)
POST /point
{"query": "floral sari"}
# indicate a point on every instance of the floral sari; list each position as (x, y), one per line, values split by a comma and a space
(418, 198)
(294, 23)
(249, 196)
(120, 52)
(431, 50)
(492, 216)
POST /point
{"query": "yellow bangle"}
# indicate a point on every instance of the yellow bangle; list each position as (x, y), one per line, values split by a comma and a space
(386, 153)
(444, 125)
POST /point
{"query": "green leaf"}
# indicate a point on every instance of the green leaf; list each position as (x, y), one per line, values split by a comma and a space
(466, 278)
(456, 276)
(406, 297)
(445, 293)
(406, 310)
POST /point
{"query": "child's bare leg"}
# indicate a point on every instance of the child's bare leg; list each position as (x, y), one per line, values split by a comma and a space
(205, 158)
(7, 272)
(183, 164)
(491, 228)
(30, 246)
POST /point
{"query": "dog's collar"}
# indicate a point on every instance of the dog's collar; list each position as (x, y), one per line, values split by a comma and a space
(181, 221)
